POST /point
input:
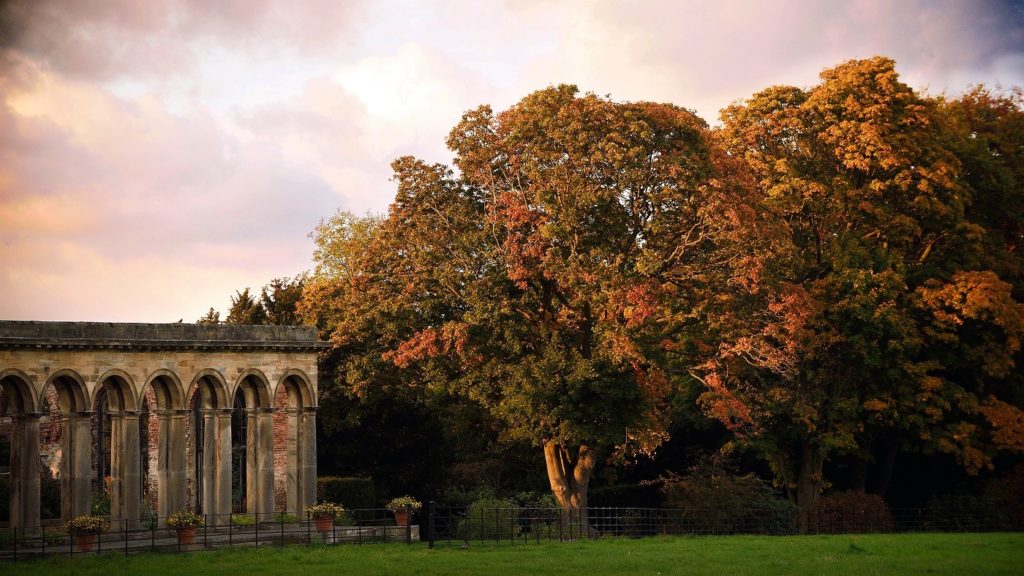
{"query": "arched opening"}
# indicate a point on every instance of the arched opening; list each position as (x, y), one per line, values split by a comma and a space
(116, 470)
(252, 446)
(69, 441)
(295, 443)
(209, 449)
(19, 455)
(162, 446)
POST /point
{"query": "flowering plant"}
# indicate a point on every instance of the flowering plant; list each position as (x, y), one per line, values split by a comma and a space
(403, 502)
(325, 510)
(87, 524)
(185, 520)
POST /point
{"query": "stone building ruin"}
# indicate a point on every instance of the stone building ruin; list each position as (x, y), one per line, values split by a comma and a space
(150, 419)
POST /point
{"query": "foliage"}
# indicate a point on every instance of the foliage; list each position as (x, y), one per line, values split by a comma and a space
(100, 504)
(403, 503)
(185, 519)
(868, 322)
(354, 493)
(87, 524)
(243, 519)
(245, 309)
(285, 518)
(850, 511)
(325, 510)
(709, 495)
(212, 317)
(490, 519)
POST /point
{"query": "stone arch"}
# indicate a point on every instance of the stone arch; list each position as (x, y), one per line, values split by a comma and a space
(166, 385)
(72, 393)
(252, 437)
(208, 445)
(218, 387)
(118, 452)
(296, 379)
(76, 449)
(23, 492)
(295, 441)
(17, 386)
(162, 442)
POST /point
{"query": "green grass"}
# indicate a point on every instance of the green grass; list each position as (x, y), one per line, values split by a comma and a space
(932, 554)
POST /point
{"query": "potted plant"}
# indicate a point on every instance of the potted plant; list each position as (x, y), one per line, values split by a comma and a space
(323, 514)
(84, 529)
(185, 523)
(402, 506)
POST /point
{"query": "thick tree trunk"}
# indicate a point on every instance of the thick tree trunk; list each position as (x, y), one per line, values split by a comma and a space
(809, 483)
(570, 478)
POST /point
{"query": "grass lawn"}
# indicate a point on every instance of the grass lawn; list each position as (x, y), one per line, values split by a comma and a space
(959, 554)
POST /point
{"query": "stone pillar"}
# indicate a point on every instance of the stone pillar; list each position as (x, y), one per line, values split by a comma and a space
(25, 470)
(116, 472)
(76, 465)
(293, 463)
(264, 448)
(171, 463)
(131, 470)
(308, 445)
(220, 452)
(208, 496)
(252, 477)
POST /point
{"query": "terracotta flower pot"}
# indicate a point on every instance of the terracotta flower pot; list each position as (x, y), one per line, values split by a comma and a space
(324, 524)
(186, 535)
(85, 542)
(402, 517)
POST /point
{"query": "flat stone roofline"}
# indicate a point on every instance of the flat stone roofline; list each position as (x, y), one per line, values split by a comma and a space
(33, 334)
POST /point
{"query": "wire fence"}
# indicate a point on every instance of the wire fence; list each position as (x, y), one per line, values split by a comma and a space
(462, 526)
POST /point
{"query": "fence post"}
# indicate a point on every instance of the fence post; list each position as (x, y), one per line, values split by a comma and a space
(430, 524)
(257, 524)
(282, 528)
(125, 537)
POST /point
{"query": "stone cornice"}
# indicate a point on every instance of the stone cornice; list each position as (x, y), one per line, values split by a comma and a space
(146, 337)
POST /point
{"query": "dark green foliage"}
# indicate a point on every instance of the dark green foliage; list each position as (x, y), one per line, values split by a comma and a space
(850, 511)
(5, 498)
(720, 502)
(351, 493)
(491, 519)
(632, 495)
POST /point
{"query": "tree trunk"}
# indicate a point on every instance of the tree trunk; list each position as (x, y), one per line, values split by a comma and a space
(570, 479)
(809, 483)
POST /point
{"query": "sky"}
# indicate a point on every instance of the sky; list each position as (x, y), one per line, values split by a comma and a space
(158, 155)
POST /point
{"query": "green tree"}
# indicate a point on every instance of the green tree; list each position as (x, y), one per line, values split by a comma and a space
(832, 350)
(245, 309)
(211, 317)
(550, 280)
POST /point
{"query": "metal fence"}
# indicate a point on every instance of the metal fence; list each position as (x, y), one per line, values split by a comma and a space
(462, 526)
(218, 531)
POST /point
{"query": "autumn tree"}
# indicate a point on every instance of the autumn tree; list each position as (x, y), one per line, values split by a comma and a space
(831, 351)
(211, 317)
(550, 279)
(245, 309)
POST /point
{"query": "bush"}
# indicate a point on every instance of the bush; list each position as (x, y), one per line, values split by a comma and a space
(351, 493)
(851, 511)
(619, 495)
(708, 499)
(964, 511)
(490, 519)
(243, 519)
(185, 519)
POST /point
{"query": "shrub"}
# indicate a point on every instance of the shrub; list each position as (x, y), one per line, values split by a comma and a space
(243, 519)
(851, 511)
(490, 519)
(708, 499)
(959, 511)
(352, 493)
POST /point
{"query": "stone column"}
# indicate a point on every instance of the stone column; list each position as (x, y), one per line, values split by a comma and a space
(220, 452)
(25, 470)
(211, 448)
(293, 463)
(130, 472)
(171, 463)
(116, 472)
(308, 444)
(76, 465)
(252, 478)
(264, 448)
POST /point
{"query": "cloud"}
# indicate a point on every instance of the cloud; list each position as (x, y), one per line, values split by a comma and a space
(156, 156)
